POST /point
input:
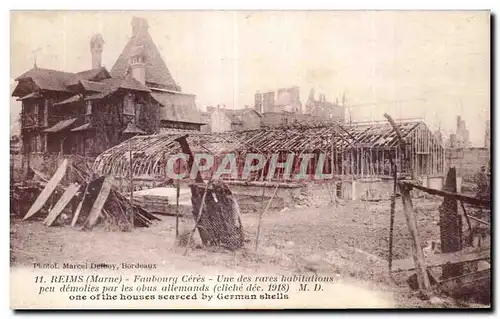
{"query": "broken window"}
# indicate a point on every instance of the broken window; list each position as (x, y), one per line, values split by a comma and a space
(33, 144)
(46, 115)
(128, 105)
(36, 109)
(138, 110)
(88, 108)
(136, 59)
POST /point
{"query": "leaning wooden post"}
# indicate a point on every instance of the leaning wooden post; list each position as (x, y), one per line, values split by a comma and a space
(261, 202)
(393, 209)
(177, 210)
(131, 183)
(417, 252)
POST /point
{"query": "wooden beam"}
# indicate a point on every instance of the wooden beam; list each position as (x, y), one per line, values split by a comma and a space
(457, 196)
(437, 260)
(466, 282)
(66, 197)
(418, 254)
(99, 202)
(48, 190)
(77, 213)
(479, 220)
(391, 224)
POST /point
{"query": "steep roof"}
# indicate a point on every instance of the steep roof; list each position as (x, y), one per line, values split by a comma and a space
(47, 79)
(105, 88)
(156, 69)
(54, 80)
(177, 107)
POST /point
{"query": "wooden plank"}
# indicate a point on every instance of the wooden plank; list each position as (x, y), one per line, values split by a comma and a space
(465, 282)
(461, 197)
(81, 207)
(418, 254)
(77, 213)
(48, 190)
(479, 220)
(459, 257)
(61, 204)
(99, 202)
(40, 175)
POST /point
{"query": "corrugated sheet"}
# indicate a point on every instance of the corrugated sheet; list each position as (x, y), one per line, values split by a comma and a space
(62, 125)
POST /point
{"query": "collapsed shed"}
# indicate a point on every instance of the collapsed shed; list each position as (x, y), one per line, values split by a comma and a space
(360, 151)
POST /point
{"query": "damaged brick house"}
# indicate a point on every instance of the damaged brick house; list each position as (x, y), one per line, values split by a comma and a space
(90, 111)
(220, 119)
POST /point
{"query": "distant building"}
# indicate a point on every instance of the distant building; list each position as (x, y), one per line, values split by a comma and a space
(223, 119)
(321, 108)
(463, 139)
(284, 100)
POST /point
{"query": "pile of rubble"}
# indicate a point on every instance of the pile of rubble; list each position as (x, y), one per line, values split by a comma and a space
(85, 201)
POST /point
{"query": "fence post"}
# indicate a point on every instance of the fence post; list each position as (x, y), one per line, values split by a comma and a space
(418, 254)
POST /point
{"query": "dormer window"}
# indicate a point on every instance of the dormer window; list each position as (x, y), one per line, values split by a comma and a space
(136, 59)
(88, 108)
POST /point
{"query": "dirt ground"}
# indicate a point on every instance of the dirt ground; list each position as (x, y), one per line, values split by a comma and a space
(349, 239)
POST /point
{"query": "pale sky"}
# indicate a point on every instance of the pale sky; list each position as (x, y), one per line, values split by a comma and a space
(433, 65)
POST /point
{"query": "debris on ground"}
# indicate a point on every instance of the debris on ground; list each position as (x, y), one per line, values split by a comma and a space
(88, 201)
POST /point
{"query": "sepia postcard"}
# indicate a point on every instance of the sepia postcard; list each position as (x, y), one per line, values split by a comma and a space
(250, 159)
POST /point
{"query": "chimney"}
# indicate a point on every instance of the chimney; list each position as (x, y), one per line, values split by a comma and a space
(96, 47)
(137, 64)
(138, 25)
(294, 95)
(311, 95)
(258, 102)
(268, 102)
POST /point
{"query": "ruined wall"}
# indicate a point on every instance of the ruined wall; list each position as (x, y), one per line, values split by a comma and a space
(379, 188)
(467, 161)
